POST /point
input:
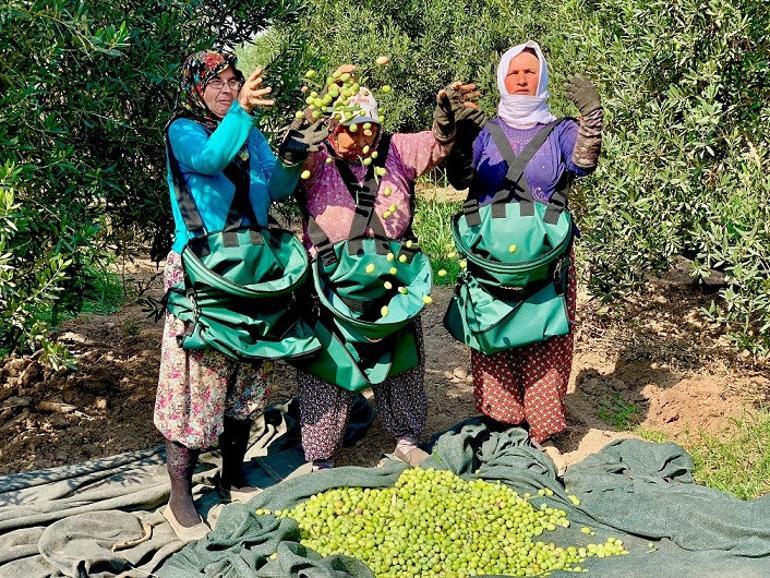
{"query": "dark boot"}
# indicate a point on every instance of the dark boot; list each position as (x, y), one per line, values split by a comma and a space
(180, 462)
(498, 426)
(233, 443)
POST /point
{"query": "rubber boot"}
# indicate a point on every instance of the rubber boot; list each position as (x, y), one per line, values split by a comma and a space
(233, 443)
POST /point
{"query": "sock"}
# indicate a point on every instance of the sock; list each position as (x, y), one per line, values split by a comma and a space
(405, 444)
(180, 462)
(322, 465)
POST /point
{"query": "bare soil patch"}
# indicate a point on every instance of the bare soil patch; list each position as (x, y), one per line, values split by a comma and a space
(650, 362)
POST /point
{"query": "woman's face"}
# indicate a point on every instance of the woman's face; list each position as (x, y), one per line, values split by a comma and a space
(523, 75)
(221, 91)
(352, 143)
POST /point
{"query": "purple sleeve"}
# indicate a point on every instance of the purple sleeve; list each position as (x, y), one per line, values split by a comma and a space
(567, 133)
(479, 145)
(419, 152)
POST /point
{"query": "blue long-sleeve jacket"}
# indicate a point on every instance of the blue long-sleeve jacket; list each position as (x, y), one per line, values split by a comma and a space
(203, 157)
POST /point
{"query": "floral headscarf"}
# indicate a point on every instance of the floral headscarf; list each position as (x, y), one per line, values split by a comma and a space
(197, 71)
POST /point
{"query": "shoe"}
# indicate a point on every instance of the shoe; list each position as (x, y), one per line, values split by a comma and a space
(185, 534)
(241, 495)
(318, 465)
(414, 457)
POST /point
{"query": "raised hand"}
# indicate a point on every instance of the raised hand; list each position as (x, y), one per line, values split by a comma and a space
(583, 94)
(253, 92)
(298, 143)
(452, 103)
(457, 96)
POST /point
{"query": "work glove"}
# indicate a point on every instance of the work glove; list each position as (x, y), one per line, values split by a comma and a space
(299, 143)
(588, 144)
(454, 102)
(583, 94)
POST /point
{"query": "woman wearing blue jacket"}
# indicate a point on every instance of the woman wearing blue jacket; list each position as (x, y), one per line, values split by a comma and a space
(217, 153)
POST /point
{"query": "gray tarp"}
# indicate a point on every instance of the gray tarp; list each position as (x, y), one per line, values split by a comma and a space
(102, 518)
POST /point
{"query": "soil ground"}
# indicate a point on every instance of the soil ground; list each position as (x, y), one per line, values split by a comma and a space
(651, 363)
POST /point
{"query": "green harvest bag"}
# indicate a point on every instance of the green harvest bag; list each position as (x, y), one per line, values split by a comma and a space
(353, 288)
(356, 367)
(362, 343)
(239, 292)
(512, 292)
(238, 295)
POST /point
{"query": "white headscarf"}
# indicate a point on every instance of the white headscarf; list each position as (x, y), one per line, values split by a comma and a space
(522, 111)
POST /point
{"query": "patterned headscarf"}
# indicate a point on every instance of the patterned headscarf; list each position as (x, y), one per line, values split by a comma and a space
(197, 71)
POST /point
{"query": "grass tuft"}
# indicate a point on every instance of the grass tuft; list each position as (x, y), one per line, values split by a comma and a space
(739, 464)
(432, 220)
(618, 413)
(105, 293)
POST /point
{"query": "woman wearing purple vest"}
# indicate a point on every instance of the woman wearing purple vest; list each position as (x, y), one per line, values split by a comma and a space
(528, 384)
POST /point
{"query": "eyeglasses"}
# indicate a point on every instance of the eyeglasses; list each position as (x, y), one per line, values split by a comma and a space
(218, 84)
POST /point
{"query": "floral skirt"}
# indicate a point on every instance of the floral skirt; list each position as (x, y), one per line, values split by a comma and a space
(324, 409)
(196, 389)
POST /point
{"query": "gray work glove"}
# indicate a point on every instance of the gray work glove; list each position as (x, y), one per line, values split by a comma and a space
(299, 143)
(453, 103)
(471, 117)
(583, 94)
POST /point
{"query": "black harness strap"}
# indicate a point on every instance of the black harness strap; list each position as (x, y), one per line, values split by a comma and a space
(187, 207)
(237, 172)
(515, 185)
(364, 195)
(323, 246)
(558, 201)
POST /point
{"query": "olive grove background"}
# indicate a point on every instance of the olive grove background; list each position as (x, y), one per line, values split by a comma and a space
(85, 93)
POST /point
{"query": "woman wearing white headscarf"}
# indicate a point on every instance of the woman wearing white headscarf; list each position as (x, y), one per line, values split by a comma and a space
(528, 384)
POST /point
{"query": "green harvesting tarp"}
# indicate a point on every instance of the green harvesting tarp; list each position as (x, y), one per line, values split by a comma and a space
(637, 491)
(102, 518)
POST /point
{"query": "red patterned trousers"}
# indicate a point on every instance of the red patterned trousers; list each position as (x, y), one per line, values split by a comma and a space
(528, 384)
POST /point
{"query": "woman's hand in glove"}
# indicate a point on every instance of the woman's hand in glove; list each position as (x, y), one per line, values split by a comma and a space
(583, 94)
(299, 143)
(588, 144)
(452, 104)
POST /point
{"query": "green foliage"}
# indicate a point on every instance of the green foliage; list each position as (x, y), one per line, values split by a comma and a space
(285, 57)
(685, 168)
(85, 91)
(650, 435)
(432, 219)
(618, 413)
(737, 461)
(31, 278)
(686, 90)
(105, 292)
(430, 43)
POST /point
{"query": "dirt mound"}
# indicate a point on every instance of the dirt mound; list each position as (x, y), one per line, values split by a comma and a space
(653, 363)
(99, 408)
